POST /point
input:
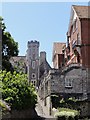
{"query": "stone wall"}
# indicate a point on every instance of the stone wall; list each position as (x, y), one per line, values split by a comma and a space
(55, 82)
(77, 77)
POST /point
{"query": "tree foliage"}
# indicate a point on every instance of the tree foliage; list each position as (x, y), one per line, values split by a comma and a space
(9, 47)
(16, 91)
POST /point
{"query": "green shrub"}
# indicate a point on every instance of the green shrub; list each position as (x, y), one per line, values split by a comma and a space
(68, 114)
(16, 91)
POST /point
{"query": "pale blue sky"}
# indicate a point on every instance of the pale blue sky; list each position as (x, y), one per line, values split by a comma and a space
(45, 22)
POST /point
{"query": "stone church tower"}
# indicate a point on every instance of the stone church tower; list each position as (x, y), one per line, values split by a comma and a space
(32, 58)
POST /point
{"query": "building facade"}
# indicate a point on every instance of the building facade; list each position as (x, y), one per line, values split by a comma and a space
(71, 74)
(71, 82)
(78, 40)
(78, 36)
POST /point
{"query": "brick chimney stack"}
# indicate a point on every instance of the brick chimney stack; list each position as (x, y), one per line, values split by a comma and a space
(42, 57)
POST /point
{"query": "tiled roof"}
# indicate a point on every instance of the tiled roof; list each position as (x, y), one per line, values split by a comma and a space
(82, 11)
(57, 47)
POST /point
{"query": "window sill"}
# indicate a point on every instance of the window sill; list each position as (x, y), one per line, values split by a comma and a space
(68, 87)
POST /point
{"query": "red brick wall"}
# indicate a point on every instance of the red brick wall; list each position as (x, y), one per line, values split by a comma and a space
(85, 37)
(73, 37)
(60, 60)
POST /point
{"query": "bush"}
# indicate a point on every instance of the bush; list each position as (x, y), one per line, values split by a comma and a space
(16, 91)
(67, 114)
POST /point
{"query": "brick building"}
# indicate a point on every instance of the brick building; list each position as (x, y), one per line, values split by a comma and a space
(78, 36)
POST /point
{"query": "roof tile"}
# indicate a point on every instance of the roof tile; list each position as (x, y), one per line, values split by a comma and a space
(82, 11)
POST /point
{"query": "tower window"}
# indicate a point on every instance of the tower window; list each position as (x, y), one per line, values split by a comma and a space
(34, 83)
(33, 75)
(33, 64)
(33, 56)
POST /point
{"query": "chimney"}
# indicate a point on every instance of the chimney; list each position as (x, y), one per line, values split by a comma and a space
(42, 57)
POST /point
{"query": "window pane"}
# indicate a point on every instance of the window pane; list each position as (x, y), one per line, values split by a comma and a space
(68, 82)
(33, 64)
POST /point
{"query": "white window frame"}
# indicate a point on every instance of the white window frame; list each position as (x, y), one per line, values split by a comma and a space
(68, 82)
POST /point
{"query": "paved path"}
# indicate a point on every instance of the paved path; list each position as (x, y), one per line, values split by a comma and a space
(39, 110)
(42, 113)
